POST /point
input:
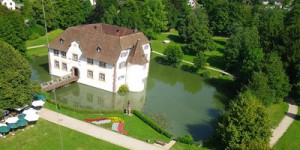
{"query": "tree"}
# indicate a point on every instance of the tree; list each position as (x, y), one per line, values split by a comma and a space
(173, 55)
(15, 85)
(195, 32)
(271, 26)
(12, 29)
(129, 15)
(244, 122)
(260, 88)
(199, 60)
(154, 19)
(277, 78)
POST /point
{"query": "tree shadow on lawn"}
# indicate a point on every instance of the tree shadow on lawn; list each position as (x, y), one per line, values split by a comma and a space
(220, 42)
(189, 68)
(216, 61)
(175, 38)
(297, 117)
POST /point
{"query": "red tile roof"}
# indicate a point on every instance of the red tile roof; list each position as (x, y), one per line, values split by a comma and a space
(137, 55)
(110, 39)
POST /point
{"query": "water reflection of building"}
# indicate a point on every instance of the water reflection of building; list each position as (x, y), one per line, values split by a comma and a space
(82, 96)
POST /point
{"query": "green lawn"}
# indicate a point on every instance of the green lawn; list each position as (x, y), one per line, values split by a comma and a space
(45, 136)
(42, 40)
(277, 112)
(41, 51)
(135, 127)
(214, 58)
(291, 139)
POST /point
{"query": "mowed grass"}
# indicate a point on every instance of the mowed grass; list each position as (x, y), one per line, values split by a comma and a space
(135, 127)
(214, 58)
(41, 51)
(43, 40)
(182, 146)
(45, 136)
(291, 138)
(277, 112)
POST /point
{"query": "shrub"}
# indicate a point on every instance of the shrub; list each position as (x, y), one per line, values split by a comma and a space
(33, 36)
(123, 89)
(38, 29)
(151, 123)
(206, 74)
(187, 139)
(173, 54)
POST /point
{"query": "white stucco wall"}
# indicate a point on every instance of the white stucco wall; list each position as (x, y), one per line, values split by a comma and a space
(10, 4)
(121, 72)
(83, 68)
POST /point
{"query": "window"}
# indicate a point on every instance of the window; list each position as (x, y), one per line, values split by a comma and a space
(62, 40)
(122, 65)
(63, 54)
(124, 54)
(102, 64)
(56, 64)
(146, 47)
(90, 74)
(90, 61)
(98, 49)
(121, 77)
(56, 52)
(64, 66)
(75, 57)
(102, 77)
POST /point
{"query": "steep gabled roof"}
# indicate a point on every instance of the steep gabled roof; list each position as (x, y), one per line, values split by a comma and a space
(137, 55)
(110, 39)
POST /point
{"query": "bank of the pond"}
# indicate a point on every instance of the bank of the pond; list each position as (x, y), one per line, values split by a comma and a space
(187, 101)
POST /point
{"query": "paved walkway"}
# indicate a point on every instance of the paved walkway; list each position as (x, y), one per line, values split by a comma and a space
(32, 47)
(97, 132)
(206, 67)
(285, 123)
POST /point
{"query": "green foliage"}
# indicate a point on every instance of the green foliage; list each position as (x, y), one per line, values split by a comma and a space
(33, 36)
(160, 119)
(173, 55)
(199, 60)
(123, 89)
(15, 86)
(277, 78)
(13, 29)
(260, 88)
(187, 139)
(151, 123)
(244, 124)
(206, 74)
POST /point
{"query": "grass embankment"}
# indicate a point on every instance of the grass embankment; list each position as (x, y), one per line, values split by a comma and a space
(291, 138)
(135, 127)
(45, 136)
(43, 40)
(277, 112)
(181, 146)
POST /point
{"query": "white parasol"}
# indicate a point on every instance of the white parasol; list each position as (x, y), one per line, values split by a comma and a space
(30, 111)
(12, 120)
(38, 103)
(31, 117)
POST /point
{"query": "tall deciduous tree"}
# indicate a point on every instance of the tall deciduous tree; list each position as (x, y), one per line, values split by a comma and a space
(153, 17)
(200, 60)
(12, 29)
(15, 86)
(244, 122)
(50, 13)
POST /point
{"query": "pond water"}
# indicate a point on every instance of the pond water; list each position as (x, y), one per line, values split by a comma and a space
(184, 99)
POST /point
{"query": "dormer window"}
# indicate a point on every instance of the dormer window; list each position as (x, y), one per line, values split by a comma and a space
(62, 40)
(98, 49)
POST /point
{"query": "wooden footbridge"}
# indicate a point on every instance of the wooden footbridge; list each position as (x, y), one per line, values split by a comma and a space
(59, 82)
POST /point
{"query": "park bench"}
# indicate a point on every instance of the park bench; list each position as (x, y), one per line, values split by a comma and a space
(160, 142)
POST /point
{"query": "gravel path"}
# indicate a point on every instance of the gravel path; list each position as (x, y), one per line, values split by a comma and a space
(285, 123)
(97, 132)
(32, 47)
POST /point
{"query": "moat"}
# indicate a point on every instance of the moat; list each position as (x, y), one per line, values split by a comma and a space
(185, 99)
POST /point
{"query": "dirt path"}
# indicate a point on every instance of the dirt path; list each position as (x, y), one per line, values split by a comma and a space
(285, 123)
(206, 67)
(97, 132)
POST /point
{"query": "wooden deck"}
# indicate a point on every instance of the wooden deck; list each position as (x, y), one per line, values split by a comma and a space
(57, 83)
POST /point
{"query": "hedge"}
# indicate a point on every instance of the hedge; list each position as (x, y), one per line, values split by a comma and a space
(83, 111)
(187, 139)
(151, 123)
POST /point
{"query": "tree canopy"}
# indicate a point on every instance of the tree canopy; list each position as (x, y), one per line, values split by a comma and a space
(15, 85)
(173, 55)
(13, 29)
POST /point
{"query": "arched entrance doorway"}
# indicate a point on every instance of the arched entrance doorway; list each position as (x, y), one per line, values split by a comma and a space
(75, 71)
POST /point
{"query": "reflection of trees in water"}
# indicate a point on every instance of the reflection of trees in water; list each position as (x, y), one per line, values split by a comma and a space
(170, 75)
(39, 67)
(160, 119)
